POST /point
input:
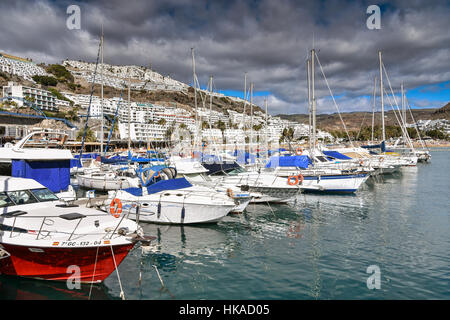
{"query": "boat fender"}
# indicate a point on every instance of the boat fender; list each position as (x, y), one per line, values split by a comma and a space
(183, 212)
(301, 178)
(290, 181)
(112, 208)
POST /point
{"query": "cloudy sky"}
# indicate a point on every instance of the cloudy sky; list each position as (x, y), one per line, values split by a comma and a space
(269, 40)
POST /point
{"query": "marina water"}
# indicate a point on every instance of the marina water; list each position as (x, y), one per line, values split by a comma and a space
(316, 248)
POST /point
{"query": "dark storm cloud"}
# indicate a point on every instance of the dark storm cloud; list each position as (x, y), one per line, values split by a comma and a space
(268, 39)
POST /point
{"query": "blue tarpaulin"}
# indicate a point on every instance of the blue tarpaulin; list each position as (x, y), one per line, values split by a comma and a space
(75, 163)
(382, 146)
(289, 161)
(172, 184)
(55, 175)
(336, 155)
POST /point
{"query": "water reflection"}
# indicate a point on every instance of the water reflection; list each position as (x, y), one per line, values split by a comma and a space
(16, 288)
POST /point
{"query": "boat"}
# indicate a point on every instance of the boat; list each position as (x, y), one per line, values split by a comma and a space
(44, 235)
(108, 180)
(196, 173)
(173, 201)
(49, 239)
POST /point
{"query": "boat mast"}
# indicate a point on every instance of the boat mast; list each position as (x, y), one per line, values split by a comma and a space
(210, 100)
(313, 100)
(308, 63)
(403, 114)
(195, 98)
(373, 105)
(381, 96)
(251, 117)
(129, 115)
(245, 101)
(101, 103)
(266, 134)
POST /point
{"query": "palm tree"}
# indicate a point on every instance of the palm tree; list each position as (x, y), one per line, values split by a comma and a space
(90, 135)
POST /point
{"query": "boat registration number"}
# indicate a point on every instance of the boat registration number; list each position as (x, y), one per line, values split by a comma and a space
(80, 243)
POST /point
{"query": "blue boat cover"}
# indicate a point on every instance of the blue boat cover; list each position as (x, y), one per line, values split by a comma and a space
(87, 156)
(55, 175)
(75, 163)
(382, 146)
(245, 157)
(172, 184)
(289, 161)
(336, 155)
(134, 191)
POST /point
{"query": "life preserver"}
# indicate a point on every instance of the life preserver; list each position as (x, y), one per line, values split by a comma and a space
(361, 162)
(230, 193)
(292, 183)
(381, 159)
(299, 151)
(112, 208)
(301, 178)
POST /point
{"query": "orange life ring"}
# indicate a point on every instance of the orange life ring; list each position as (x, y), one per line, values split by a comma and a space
(299, 151)
(301, 178)
(361, 162)
(292, 183)
(112, 207)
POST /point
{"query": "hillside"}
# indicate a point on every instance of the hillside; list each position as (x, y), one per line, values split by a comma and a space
(353, 120)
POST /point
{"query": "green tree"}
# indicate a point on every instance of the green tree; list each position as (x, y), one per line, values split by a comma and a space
(221, 125)
(60, 72)
(90, 135)
(45, 80)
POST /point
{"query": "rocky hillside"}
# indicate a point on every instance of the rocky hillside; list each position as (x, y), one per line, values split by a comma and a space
(353, 120)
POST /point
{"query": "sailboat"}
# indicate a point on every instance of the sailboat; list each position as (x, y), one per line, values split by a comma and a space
(306, 168)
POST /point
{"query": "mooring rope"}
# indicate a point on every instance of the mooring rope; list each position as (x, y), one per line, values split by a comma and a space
(122, 295)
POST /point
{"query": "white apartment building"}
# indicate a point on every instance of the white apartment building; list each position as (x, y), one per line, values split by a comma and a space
(43, 99)
(20, 67)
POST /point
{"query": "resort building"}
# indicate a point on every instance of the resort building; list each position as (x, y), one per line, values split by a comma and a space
(43, 99)
(24, 68)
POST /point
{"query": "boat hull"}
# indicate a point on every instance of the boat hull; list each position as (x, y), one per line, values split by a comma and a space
(172, 213)
(61, 264)
(104, 184)
(333, 184)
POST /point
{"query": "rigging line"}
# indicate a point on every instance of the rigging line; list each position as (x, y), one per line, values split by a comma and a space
(332, 96)
(122, 295)
(395, 114)
(396, 103)
(423, 143)
(90, 101)
(362, 122)
(93, 275)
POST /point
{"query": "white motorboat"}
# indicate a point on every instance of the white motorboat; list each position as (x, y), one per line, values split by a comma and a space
(174, 201)
(45, 238)
(109, 180)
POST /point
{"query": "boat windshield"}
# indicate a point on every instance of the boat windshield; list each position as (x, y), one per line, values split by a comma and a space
(44, 195)
(5, 201)
(11, 198)
(236, 171)
(21, 197)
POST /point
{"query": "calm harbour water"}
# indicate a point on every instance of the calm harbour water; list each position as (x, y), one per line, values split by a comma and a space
(317, 248)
